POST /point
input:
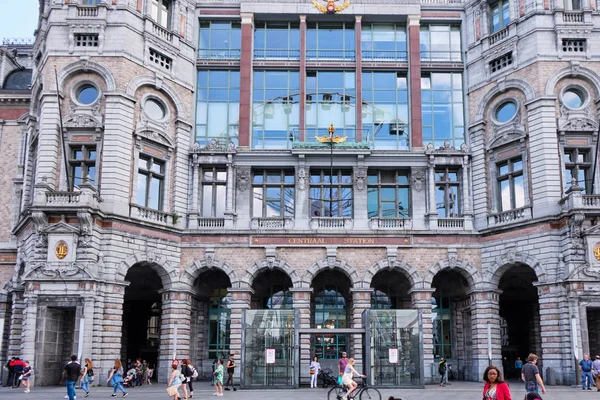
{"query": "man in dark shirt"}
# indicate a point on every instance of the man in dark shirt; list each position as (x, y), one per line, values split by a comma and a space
(342, 363)
(230, 371)
(585, 366)
(531, 376)
(72, 372)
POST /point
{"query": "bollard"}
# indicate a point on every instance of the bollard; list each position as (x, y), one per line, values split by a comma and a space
(550, 376)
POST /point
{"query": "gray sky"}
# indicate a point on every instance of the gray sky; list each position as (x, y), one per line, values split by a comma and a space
(18, 18)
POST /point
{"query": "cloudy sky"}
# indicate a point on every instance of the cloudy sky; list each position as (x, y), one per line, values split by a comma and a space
(18, 18)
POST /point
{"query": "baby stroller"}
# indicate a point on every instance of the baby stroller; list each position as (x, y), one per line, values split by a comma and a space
(327, 377)
(128, 381)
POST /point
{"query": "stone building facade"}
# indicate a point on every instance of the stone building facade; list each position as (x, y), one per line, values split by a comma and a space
(186, 194)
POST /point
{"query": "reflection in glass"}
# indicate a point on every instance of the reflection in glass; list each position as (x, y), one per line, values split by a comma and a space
(383, 42)
(442, 109)
(506, 112)
(510, 184)
(332, 41)
(219, 40)
(87, 94)
(218, 106)
(331, 199)
(572, 98)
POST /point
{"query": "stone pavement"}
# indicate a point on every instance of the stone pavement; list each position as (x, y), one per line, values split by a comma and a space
(456, 391)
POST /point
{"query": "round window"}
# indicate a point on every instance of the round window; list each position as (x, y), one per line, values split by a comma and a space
(506, 111)
(573, 98)
(87, 94)
(154, 109)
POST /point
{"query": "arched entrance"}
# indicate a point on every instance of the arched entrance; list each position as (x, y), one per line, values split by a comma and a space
(520, 317)
(142, 309)
(272, 291)
(390, 291)
(451, 318)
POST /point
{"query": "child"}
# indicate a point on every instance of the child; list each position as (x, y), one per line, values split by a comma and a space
(26, 375)
(218, 374)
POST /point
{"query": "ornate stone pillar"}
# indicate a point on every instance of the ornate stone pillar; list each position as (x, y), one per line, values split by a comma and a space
(48, 153)
(361, 302)
(467, 213)
(432, 214)
(485, 312)
(421, 300)
(16, 324)
(174, 329)
(240, 301)
(29, 329)
(302, 206)
(480, 197)
(229, 212)
(193, 212)
(361, 216)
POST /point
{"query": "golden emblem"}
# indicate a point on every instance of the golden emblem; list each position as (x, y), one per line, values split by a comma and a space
(597, 251)
(61, 250)
(330, 8)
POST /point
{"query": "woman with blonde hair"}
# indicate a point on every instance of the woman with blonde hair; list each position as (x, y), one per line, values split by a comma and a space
(116, 379)
(87, 376)
(175, 381)
(347, 380)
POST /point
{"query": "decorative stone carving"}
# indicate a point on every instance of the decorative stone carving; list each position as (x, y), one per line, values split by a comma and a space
(579, 124)
(360, 178)
(575, 231)
(58, 271)
(82, 121)
(301, 176)
(452, 257)
(209, 256)
(270, 257)
(418, 180)
(243, 178)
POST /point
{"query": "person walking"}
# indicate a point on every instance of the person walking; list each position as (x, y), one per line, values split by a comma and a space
(218, 374)
(342, 362)
(11, 372)
(116, 379)
(72, 371)
(315, 367)
(25, 377)
(495, 388)
(519, 367)
(530, 374)
(175, 381)
(230, 370)
(188, 373)
(443, 371)
(596, 372)
(87, 376)
(18, 367)
(585, 366)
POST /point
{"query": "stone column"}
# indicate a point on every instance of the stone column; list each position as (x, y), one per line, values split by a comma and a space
(485, 311)
(421, 300)
(302, 121)
(245, 121)
(361, 301)
(240, 301)
(193, 213)
(302, 206)
(545, 182)
(358, 33)
(180, 163)
(29, 329)
(116, 153)
(174, 330)
(302, 298)
(555, 333)
(432, 214)
(480, 197)
(414, 59)
(361, 216)
(16, 324)
(49, 152)
(466, 199)
(229, 212)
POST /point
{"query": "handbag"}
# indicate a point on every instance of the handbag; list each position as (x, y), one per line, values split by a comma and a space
(339, 381)
(312, 371)
(172, 390)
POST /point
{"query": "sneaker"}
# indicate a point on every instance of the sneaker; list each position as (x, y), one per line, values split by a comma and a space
(220, 394)
(125, 394)
(227, 388)
(113, 395)
(87, 394)
(234, 389)
(589, 388)
(215, 394)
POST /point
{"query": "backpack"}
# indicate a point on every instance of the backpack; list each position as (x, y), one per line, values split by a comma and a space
(194, 372)
(442, 369)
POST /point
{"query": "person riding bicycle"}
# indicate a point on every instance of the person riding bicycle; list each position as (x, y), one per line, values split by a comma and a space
(347, 378)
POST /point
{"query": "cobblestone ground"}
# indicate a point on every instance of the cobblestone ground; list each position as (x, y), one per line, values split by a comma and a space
(456, 391)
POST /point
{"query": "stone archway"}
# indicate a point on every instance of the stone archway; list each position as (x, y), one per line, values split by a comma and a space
(332, 263)
(269, 264)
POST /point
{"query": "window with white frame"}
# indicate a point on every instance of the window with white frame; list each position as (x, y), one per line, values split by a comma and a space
(150, 182)
(160, 10)
(575, 5)
(214, 191)
(273, 194)
(82, 162)
(578, 167)
(500, 12)
(388, 194)
(447, 192)
(511, 191)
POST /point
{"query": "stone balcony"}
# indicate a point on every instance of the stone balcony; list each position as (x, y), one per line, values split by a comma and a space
(46, 199)
(390, 224)
(331, 224)
(151, 216)
(87, 12)
(576, 201)
(271, 224)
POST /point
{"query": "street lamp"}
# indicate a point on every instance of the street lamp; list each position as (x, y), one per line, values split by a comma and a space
(331, 140)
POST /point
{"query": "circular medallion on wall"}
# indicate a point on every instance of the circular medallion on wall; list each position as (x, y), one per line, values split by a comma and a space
(61, 250)
(597, 251)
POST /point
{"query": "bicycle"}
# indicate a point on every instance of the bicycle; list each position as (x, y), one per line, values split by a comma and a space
(362, 392)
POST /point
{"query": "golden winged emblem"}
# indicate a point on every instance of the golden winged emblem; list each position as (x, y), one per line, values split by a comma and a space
(61, 250)
(597, 251)
(330, 7)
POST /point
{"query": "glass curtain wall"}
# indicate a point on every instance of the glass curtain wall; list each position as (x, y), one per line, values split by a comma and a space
(331, 196)
(442, 109)
(383, 42)
(276, 110)
(388, 194)
(277, 40)
(330, 99)
(220, 40)
(385, 109)
(218, 106)
(440, 43)
(330, 41)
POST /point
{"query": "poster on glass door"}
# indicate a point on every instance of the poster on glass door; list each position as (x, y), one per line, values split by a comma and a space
(270, 356)
(393, 356)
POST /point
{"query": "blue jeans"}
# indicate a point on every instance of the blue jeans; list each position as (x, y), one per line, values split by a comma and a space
(589, 377)
(443, 378)
(119, 386)
(85, 384)
(71, 389)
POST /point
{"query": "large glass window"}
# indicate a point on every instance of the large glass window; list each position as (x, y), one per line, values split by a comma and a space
(383, 42)
(273, 194)
(578, 166)
(218, 106)
(331, 197)
(500, 12)
(276, 110)
(329, 313)
(83, 164)
(214, 181)
(219, 327)
(388, 194)
(150, 181)
(510, 184)
(220, 40)
(447, 192)
(330, 99)
(385, 109)
(440, 43)
(330, 41)
(442, 109)
(160, 10)
(442, 327)
(276, 40)
(276, 296)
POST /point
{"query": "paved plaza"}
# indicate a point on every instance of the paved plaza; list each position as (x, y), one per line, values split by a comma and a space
(456, 391)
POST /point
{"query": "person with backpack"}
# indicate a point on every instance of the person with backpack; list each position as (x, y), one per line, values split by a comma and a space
(188, 372)
(87, 377)
(116, 379)
(18, 367)
(443, 370)
(11, 372)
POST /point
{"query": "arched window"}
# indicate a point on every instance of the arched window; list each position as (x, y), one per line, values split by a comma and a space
(277, 296)
(219, 322)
